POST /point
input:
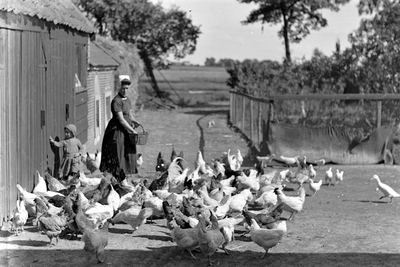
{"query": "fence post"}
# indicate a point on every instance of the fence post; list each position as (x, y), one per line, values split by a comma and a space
(271, 110)
(378, 113)
(231, 107)
(243, 113)
(251, 120)
(259, 125)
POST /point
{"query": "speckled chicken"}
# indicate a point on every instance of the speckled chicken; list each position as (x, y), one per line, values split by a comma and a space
(51, 224)
(210, 239)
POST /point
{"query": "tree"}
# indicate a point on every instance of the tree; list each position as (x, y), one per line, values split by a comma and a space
(376, 44)
(156, 32)
(298, 17)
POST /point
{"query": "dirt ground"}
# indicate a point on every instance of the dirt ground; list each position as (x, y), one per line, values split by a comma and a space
(342, 225)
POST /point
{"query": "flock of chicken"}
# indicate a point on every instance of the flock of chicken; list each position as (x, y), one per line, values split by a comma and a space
(202, 207)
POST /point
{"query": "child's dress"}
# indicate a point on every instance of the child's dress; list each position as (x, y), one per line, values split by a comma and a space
(71, 160)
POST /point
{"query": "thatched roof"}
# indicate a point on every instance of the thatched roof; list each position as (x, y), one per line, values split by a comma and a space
(62, 12)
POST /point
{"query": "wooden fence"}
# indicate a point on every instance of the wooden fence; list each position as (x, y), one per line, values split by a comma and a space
(250, 114)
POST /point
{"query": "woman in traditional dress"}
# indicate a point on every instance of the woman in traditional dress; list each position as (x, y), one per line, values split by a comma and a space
(118, 155)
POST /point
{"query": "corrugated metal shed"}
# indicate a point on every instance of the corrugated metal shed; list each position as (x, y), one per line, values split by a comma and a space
(99, 57)
(57, 11)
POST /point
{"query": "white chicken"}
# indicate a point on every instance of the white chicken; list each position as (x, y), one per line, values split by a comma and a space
(314, 186)
(385, 189)
(132, 217)
(249, 181)
(239, 201)
(239, 161)
(20, 216)
(312, 172)
(338, 176)
(292, 204)
(328, 176)
(267, 238)
(139, 159)
(289, 160)
(113, 198)
(29, 200)
(267, 199)
(85, 181)
(40, 185)
(223, 208)
(265, 159)
(320, 162)
(230, 160)
(200, 162)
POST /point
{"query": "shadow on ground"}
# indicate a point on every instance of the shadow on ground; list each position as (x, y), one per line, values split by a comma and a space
(173, 256)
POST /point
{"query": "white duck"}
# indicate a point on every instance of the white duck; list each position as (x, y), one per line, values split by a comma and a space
(386, 190)
(329, 176)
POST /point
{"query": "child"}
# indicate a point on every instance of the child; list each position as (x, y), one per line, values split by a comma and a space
(72, 152)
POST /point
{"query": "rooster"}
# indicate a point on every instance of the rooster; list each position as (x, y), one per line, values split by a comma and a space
(20, 216)
(96, 240)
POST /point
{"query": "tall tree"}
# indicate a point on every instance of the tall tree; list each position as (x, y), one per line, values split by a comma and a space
(156, 32)
(298, 17)
(376, 44)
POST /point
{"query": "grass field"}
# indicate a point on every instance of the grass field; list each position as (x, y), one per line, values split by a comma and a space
(192, 85)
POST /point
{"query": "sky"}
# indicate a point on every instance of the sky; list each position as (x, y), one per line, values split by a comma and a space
(224, 36)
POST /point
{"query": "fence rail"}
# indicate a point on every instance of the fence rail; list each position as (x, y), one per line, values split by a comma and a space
(250, 114)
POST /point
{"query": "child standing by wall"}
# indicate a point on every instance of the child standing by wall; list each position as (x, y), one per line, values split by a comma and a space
(72, 152)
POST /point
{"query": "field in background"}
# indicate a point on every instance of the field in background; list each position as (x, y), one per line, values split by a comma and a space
(190, 85)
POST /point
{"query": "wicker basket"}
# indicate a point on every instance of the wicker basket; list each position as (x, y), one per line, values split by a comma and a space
(139, 138)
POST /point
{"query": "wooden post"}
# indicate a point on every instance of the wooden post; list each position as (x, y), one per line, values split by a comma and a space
(243, 113)
(378, 113)
(251, 120)
(259, 125)
(231, 107)
(271, 111)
